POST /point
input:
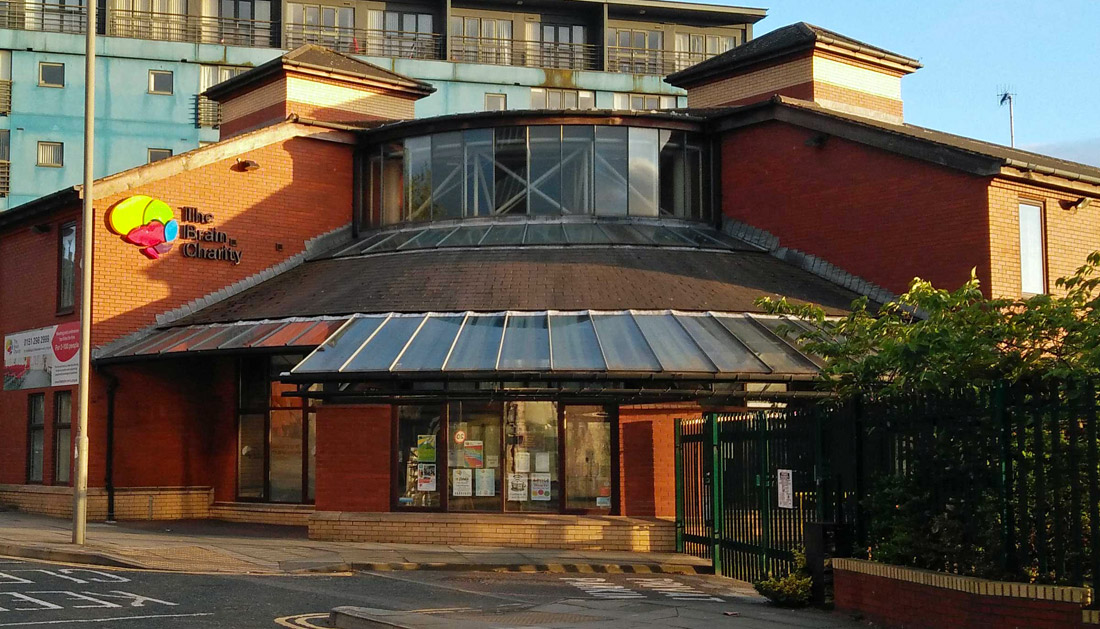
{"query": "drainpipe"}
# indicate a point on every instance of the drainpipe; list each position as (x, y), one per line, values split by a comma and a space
(112, 386)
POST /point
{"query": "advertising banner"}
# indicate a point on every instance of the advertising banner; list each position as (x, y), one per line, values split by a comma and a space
(46, 357)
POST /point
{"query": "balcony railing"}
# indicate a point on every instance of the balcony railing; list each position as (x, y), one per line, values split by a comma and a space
(649, 61)
(513, 52)
(208, 113)
(5, 177)
(377, 43)
(192, 28)
(38, 16)
(5, 97)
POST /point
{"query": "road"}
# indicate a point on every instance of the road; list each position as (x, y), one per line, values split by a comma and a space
(38, 594)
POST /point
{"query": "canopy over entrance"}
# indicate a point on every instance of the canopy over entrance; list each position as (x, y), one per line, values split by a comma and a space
(558, 345)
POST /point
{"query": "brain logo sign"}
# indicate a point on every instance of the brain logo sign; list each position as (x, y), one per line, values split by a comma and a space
(145, 222)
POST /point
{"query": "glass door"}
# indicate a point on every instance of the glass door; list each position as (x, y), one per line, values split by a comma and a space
(589, 467)
(474, 456)
(531, 457)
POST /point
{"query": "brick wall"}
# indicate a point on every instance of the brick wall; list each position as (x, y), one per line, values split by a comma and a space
(353, 458)
(751, 85)
(898, 597)
(275, 205)
(881, 216)
(525, 531)
(647, 456)
(1070, 234)
(132, 503)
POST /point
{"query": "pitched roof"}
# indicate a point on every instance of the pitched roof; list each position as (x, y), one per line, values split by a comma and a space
(893, 136)
(313, 57)
(782, 41)
(528, 278)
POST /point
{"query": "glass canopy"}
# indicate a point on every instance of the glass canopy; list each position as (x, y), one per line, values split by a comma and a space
(552, 344)
(246, 335)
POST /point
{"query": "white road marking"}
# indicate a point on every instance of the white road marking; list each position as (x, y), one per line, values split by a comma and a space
(136, 600)
(301, 621)
(11, 579)
(674, 589)
(88, 620)
(598, 587)
(75, 596)
(19, 596)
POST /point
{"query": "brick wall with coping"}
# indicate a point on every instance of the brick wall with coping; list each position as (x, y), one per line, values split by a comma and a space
(895, 596)
(131, 503)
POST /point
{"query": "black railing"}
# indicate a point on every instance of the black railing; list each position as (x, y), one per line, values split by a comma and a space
(377, 43)
(650, 61)
(513, 52)
(5, 178)
(192, 28)
(5, 97)
(37, 16)
(208, 113)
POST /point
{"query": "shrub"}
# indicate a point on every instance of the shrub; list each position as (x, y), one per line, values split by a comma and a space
(791, 590)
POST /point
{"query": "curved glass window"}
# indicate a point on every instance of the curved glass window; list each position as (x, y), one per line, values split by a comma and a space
(546, 170)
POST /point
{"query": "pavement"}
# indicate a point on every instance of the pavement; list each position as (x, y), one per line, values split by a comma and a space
(208, 546)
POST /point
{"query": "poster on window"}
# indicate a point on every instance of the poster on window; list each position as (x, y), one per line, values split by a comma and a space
(540, 486)
(517, 487)
(46, 357)
(485, 482)
(462, 482)
(522, 461)
(425, 448)
(475, 453)
(542, 461)
(425, 476)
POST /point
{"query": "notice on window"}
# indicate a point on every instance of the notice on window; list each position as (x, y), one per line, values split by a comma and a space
(46, 357)
(522, 461)
(540, 486)
(517, 487)
(425, 477)
(475, 453)
(462, 482)
(786, 489)
(425, 448)
(542, 461)
(603, 502)
(485, 482)
(492, 460)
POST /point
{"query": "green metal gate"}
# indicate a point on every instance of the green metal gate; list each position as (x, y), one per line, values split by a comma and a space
(728, 498)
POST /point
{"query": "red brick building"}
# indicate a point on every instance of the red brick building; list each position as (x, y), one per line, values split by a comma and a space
(479, 328)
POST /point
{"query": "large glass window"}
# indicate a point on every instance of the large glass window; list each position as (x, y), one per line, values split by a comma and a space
(66, 268)
(36, 437)
(419, 430)
(494, 456)
(538, 170)
(62, 436)
(1032, 255)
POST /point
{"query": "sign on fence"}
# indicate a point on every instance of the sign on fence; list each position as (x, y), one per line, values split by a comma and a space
(786, 489)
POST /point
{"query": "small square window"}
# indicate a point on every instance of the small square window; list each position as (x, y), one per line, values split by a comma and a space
(496, 102)
(155, 155)
(51, 154)
(51, 74)
(160, 82)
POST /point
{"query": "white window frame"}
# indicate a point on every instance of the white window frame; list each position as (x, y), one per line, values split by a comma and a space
(149, 154)
(503, 98)
(38, 157)
(1032, 228)
(42, 64)
(152, 88)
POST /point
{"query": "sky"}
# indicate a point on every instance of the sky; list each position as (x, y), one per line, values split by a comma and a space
(1046, 52)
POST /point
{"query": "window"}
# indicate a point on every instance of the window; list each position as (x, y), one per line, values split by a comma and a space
(5, 165)
(635, 51)
(51, 154)
(5, 82)
(208, 112)
(400, 34)
(62, 436)
(332, 27)
(546, 98)
(66, 268)
(155, 155)
(36, 429)
(51, 74)
(481, 40)
(691, 48)
(496, 102)
(644, 102)
(160, 81)
(1032, 254)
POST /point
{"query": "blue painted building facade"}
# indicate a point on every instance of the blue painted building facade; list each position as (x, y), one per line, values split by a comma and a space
(41, 128)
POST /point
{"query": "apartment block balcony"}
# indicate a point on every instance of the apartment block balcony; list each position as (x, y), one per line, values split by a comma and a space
(5, 97)
(192, 28)
(375, 43)
(51, 18)
(208, 113)
(5, 178)
(535, 54)
(651, 61)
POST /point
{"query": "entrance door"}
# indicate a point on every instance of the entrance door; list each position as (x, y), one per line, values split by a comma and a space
(276, 447)
(589, 469)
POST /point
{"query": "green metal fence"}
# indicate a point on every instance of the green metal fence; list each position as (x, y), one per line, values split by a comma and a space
(1001, 483)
